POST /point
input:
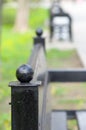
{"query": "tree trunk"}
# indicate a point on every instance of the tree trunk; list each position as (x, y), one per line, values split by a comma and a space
(21, 23)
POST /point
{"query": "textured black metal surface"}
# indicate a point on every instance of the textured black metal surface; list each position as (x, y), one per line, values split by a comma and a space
(38, 61)
(37, 58)
(24, 73)
(39, 32)
(24, 108)
(67, 75)
(19, 84)
(39, 39)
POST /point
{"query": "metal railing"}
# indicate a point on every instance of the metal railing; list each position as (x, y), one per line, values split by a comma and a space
(25, 92)
(26, 113)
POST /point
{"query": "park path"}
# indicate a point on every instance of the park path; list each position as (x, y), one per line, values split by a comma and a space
(78, 13)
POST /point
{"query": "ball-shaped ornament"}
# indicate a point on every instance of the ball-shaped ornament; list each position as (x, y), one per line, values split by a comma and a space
(24, 73)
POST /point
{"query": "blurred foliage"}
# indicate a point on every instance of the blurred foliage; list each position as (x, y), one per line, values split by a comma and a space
(6, 1)
(38, 17)
(34, 20)
(15, 49)
(5, 120)
(8, 16)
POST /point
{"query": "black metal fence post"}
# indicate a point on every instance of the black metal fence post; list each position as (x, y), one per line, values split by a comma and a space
(39, 39)
(24, 100)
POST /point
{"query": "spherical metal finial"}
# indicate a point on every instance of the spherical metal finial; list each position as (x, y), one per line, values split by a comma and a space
(39, 32)
(24, 73)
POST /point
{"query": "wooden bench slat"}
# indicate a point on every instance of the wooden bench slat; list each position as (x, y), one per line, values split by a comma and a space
(58, 121)
(81, 118)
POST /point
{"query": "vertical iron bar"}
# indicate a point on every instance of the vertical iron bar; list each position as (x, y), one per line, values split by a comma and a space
(24, 106)
(24, 100)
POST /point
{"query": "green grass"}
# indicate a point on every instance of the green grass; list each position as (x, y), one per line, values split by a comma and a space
(38, 17)
(72, 125)
(55, 53)
(68, 95)
(5, 121)
(15, 50)
(63, 59)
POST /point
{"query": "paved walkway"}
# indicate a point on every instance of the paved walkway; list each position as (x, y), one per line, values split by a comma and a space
(60, 45)
(78, 13)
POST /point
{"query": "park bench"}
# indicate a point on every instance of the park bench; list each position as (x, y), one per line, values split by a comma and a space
(28, 103)
(60, 23)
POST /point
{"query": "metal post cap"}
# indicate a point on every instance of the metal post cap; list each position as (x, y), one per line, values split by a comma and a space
(24, 73)
(39, 32)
